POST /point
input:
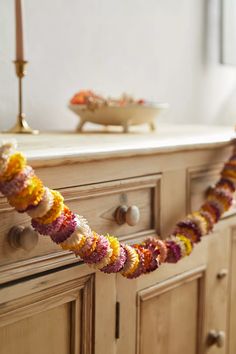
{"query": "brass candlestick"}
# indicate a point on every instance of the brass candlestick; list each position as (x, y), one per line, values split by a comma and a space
(21, 126)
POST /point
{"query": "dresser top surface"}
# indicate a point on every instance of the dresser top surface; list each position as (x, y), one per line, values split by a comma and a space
(87, 146)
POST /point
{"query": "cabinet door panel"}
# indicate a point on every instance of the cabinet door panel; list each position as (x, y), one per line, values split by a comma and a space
(45, 332)
(217, 290)
(48, 319)
(169, 315)
(232, 317)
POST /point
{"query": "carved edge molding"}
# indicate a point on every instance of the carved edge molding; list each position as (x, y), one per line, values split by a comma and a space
(97, 189)
(35, 265)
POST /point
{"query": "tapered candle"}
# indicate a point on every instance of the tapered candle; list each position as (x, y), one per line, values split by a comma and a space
(19, 30)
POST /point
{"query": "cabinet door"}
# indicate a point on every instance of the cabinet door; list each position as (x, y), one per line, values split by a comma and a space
(161, 313)
(217, 292)
(51, 314)
(177, 306)
(232, 312)
(169, 315)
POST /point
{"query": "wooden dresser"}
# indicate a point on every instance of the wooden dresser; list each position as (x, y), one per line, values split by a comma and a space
(51, 303)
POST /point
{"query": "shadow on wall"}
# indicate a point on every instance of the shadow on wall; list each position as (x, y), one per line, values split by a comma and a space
(218, 87)
(227, 111)
(210, 33)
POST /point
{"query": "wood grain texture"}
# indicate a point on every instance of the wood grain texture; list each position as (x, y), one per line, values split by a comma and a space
(98, 203)
(47, 332)
(168, 138)
(73, 172)
(104, 319)
(163, 312)
(199, 179)
(232, 304)
(126, 295)
(53, 319)
(173, 194)
(169, 315)
(217, 290)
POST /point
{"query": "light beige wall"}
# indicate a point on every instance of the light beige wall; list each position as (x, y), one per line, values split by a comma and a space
(164, 50)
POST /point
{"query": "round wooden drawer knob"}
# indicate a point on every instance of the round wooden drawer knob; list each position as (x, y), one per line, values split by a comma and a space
(132, 215)
(129, 215)
(222, 273)
(22, 237)
(216, 338)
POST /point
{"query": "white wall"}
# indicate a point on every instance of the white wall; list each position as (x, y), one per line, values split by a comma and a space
(163, 50)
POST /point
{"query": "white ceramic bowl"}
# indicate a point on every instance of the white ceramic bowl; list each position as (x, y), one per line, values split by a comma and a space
(125, 116)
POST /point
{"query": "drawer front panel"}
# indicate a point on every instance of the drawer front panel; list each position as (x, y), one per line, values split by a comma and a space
(198, 181)
(98, 203)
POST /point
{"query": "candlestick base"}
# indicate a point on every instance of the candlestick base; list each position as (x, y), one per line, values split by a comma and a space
(21, 127)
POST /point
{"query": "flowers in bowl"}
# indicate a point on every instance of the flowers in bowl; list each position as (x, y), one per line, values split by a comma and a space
(92, 100)
(122, 111)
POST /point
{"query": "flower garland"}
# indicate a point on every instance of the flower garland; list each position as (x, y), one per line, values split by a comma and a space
(50, 216)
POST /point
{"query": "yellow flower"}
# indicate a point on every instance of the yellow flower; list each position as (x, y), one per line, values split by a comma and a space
(115, 246)
(74, 243)
(55, 211)
(187, 243)
(16, 163)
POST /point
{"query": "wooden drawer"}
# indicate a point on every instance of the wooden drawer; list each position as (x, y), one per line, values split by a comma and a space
(99, 202)
(96, 202)
(198, 181)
